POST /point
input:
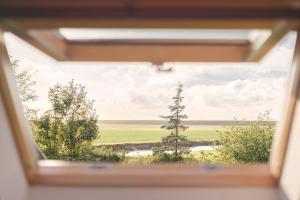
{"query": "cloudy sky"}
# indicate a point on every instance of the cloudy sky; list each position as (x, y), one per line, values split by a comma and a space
(125, 91)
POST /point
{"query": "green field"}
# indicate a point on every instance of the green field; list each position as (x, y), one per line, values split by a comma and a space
(118, 133)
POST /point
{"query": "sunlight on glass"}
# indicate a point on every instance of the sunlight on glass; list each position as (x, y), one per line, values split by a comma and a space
(117, 34)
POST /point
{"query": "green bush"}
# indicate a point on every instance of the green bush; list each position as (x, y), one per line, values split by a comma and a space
(165, 157)
(248, 141)
(46, 132)
(212, 157)
(106, 154)
(101, 154)
(140, 160)
(153, 159)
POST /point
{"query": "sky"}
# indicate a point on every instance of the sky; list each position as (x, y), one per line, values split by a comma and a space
(136, 91)
(152, 33)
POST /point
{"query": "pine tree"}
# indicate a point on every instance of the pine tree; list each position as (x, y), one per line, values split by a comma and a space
(175, 141)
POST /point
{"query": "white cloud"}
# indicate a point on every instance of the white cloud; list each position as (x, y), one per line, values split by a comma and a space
(138, 91)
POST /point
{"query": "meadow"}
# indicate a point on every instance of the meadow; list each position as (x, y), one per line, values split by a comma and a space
(120, 132)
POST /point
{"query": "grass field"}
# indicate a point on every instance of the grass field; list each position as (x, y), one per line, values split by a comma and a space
(117, 133)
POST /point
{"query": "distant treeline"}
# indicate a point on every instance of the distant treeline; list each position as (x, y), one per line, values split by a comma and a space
(187, 122)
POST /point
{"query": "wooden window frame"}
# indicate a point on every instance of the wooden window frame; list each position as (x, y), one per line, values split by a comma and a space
(63, 173)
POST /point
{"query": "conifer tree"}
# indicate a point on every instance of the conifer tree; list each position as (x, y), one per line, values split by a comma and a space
(176, 142)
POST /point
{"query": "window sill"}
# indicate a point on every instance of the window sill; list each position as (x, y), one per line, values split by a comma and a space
(164, 175)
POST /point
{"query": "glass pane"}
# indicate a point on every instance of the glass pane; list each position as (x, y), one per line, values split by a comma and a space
(149, 34)
(132, 112)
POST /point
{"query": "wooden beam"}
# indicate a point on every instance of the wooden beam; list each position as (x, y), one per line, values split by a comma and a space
(62, 50)
(52, 40)
(43, 23)
(281, 138)
(44, 41)
(14, 110)
(258, 51)
(257, 9)
(158, 53)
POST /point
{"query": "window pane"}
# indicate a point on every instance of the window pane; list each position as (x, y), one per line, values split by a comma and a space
(139, 113)
(148, 34)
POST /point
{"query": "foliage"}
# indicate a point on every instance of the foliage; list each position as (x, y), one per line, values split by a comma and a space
(67, 129)
(175, 141)
(91, 153)
(152, 159)
(47, 132)
(212, 157)
(166, 157)
(140, 160)
(243, 142)
(106, 154)
(26, 88)
(248, 141)
(162, 158)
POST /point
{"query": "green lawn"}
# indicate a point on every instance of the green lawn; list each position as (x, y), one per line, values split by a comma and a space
(141, 133)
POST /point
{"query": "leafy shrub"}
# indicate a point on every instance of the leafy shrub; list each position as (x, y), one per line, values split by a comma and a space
(101, 154)
(106, 154)
(161, 158)
(153, 159)
(46, 133)
(140, 160)
(212, 157)
(165, 157)
(248, 141)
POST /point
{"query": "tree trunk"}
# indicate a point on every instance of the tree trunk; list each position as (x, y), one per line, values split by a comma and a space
(176, 134)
